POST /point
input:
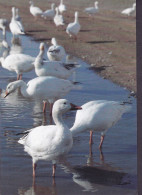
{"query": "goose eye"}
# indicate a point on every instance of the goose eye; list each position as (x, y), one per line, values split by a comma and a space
(64, 102)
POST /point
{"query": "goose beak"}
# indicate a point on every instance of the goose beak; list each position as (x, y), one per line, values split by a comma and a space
(6, 94)
(74, 107)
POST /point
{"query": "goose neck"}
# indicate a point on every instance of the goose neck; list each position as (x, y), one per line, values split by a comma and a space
(39, 58)
(23, 87)
(57, 117)
(76, 18)
(75, 129)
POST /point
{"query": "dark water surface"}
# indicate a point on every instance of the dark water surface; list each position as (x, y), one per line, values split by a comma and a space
(110, 172)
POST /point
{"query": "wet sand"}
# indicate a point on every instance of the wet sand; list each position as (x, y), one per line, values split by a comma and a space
(107, 40)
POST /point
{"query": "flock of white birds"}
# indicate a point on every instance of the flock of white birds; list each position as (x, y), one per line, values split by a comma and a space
(51, 84)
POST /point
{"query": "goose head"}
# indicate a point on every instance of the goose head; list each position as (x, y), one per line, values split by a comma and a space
(63, 105)
(54, 41)
(53, 6)
(11, 87)
(96, 3)
(134, 5)
(41, 47)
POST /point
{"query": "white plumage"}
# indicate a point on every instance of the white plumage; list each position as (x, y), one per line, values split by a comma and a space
(92, 10)
(58, 19)
(49, 13)
(56, 52)
(50, 142)
(15, 26)
(130, 10)
(74, 28)
(99, 116)
(62, 8)
(52, 68)
(35, 11)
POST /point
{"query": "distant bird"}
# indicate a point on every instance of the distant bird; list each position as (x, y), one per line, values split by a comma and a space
(52, 141)
(53, 68)
(44, 88)
(98, 115)
(130, 10)
(92, 10)
(74, 28)
(3, 25)
(56, 52)
(35, 11)
(62, 8)
(18, 63)
(49, 13)
(15, 26)
(58, 18)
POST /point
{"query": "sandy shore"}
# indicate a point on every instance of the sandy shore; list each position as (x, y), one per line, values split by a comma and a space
(107, 40)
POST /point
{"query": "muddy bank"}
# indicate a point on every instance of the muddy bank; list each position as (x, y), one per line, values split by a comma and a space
(107, 40)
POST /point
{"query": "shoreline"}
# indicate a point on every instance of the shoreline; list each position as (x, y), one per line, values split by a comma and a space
(108, 44)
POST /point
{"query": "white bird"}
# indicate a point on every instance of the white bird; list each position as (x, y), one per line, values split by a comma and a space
(18, 63)
(15, 26)
(74, 28)
(53, 68)
(62, 8)
(130, 10)
(3, 25)
(92, 10)
(58, 18)
(35, 11)
(56, 52)
(42, 88)
(17, 16)
(99, 116)
(49, 13)
(52, 141)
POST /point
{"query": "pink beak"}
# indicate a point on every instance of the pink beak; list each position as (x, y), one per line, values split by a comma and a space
(6, 94)
(74, 107)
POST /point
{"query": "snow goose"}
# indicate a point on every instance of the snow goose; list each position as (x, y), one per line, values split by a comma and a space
(53, 68)
(56, 52)
(15, 26)
(62, 7)
(35, 11)
(18, 63)
(3, 25)
(43, 88)
(73, 28)
(130, 10)
(52, 141)
(58, 18)
(49, 13)
(99, 116)
(92, 10)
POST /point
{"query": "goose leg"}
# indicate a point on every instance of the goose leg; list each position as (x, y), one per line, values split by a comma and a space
(91, 138)
(20, 77)
(54, 169)
(34, 168)
(44, 106)
(101, 142)
(51, 106)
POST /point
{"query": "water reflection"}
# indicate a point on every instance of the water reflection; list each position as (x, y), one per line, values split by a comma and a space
(16, 45)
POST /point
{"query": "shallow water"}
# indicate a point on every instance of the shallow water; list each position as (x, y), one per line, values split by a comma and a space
(113, 171)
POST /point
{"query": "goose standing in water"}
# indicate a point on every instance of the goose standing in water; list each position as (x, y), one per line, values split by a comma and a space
(62, 8)
(15, 26)
(99, 115)
(42, 88)
(74, 28)
(50, 142)
(35, 11)
(53, 68)
(56, 52)
(130, 10)
(92, 10)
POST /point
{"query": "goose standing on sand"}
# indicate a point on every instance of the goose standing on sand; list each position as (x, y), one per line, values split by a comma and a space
(56, 52)
(49, 13)
(130, 10)
(42, 88)
(18, 63)
(92, 10)
(58, 19)
(35, 11)
(15, 26)
(52, 141)
(62, 8)
(53, 68)
(99, 115)
(74, 28)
